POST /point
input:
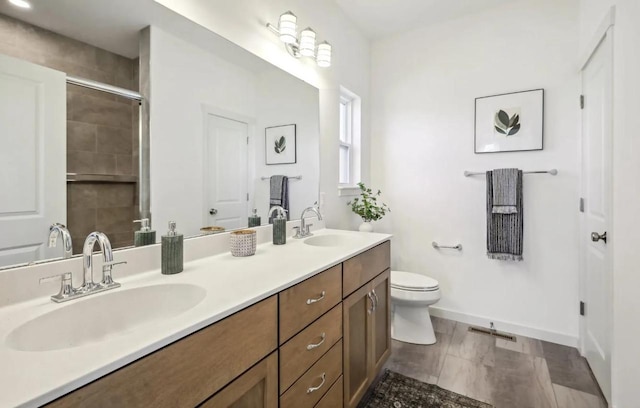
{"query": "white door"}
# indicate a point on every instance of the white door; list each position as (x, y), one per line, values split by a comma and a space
(597, 125)
(33, 159)
(226, 172)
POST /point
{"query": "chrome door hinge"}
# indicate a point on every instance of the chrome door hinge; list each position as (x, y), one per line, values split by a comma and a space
(581, 204)
(581, 101)
(581, 308)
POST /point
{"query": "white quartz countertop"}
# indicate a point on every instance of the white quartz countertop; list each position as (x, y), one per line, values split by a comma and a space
(30, 379)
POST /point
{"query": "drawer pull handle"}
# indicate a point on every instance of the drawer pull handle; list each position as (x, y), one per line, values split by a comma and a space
(312, 301)
(372, 308)
(312, 389)
(312, 346)
(375, 296)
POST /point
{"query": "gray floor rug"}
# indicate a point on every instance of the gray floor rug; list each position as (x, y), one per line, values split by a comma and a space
(394, 390)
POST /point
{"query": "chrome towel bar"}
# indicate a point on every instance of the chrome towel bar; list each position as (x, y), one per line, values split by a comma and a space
(552, 172)
(438, 246)
(291, 177)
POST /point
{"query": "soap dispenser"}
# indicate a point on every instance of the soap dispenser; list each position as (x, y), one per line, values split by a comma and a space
(172, 251)
(254, 219)
(279, 225)
(145, 236)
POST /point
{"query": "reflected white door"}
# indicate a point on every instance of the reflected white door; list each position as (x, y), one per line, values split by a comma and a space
(226, 181)
(33, 158)
(597, 125)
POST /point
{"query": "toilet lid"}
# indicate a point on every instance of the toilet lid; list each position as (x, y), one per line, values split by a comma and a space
(412, 281)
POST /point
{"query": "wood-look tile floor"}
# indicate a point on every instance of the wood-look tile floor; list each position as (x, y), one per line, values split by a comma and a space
(529, 373)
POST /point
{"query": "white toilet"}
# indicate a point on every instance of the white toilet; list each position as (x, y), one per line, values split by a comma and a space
(411, 295)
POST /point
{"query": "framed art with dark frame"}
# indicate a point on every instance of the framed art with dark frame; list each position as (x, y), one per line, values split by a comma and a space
(510, 122)
(280, 144)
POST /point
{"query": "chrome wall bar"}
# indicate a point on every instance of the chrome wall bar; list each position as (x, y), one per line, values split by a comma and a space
(552, 172)
(292, 177)
(438, 246)
(87, 83)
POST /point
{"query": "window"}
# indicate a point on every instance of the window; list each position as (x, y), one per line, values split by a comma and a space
(349, 144)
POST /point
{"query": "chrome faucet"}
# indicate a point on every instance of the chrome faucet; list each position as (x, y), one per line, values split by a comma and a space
(87, 262)
(303, 230)
(58, 230)
(88, 287)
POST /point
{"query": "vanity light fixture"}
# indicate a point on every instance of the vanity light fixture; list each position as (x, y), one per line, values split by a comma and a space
(303, 45)
(21, 3)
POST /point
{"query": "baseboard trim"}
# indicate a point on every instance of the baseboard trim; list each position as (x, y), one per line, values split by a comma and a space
(540, 334)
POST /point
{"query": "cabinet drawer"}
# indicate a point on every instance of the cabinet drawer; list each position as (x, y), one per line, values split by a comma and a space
(309, 389)
(299, 353)
(362, 268)
(333, 397)
(305, 302)
(187, 372)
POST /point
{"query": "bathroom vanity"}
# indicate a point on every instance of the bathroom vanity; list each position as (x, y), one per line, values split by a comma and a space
(310, 334)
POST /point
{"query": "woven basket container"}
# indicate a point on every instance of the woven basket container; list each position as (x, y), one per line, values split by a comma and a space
(243, 242)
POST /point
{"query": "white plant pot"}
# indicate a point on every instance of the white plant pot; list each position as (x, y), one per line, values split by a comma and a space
(366, 226)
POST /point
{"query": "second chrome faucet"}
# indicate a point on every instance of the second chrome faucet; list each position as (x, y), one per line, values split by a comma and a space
(303, 230)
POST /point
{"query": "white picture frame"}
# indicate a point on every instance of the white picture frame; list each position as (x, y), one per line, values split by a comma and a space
(280, 144)
(512, 122)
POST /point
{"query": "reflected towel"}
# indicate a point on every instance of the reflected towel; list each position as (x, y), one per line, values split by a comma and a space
(279, 193)
(504, 191)
(505, 231)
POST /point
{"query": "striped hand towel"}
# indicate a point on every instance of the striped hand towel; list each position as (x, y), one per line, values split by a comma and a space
(504, 191)
(279, 193)
(504, 230)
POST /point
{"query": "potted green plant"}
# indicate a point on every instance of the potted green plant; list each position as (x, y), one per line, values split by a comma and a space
(368, 207)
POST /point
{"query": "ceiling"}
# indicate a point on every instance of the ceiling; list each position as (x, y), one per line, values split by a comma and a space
(382, 18)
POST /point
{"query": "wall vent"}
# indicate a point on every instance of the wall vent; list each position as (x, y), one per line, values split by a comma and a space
(494, 333)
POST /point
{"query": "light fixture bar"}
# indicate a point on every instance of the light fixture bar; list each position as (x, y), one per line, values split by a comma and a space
(303, 45)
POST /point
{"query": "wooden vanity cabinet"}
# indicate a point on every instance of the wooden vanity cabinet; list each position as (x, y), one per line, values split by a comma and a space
(189, 371)
(366, 321)
(318, 344)
(257, 388)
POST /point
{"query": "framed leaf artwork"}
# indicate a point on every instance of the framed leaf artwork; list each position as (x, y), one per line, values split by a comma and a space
(280, 144)
(512, 122)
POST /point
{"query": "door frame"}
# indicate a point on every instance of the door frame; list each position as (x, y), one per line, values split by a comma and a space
(251, 132)
(603, 34)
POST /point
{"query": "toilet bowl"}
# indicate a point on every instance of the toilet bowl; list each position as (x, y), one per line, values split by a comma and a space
(411, 296)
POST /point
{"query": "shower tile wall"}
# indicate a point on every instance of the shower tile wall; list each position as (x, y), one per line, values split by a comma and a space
(102, 129)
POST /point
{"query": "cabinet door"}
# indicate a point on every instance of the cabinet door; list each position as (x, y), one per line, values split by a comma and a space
(356, 336)
(381, 321)
(257, 388)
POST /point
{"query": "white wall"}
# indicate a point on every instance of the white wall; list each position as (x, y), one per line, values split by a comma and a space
(626, 190)
(423, 87)
(282, 100)
(243, 22)
(183, 77)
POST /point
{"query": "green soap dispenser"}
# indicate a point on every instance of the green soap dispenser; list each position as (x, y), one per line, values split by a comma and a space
(279, 227)
(145, 236)
(172, 251)
(254, 219)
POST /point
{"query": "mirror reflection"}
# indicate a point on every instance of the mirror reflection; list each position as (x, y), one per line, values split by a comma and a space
(104, 125)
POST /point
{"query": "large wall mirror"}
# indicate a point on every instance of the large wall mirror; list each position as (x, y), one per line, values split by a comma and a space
(112, 111)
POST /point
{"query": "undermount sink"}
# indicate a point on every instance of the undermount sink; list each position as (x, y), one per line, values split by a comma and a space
(330, 240)
(93, 319)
